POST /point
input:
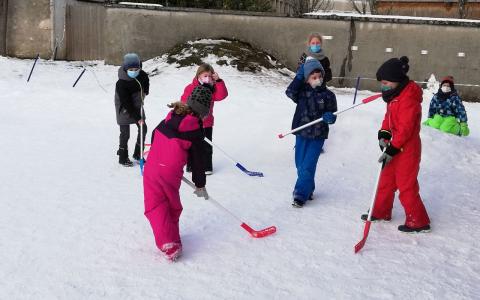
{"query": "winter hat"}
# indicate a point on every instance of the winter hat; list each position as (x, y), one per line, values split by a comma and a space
(394, 70)
(199, 101)
(131, 60)
(311, 64)
(448, 79)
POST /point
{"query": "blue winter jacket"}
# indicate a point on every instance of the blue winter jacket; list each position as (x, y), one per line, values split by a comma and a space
(447, 105)
(311, 104)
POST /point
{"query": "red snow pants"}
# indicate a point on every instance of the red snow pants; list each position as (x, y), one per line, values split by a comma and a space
(401, 173)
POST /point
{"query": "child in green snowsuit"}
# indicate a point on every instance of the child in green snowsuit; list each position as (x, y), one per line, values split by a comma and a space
(447, 112)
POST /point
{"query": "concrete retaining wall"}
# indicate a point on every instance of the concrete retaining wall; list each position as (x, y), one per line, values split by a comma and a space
(356, 46)
(29, 28)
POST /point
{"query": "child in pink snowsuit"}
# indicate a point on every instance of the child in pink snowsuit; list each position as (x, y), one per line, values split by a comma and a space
(177, 138)
(207, 77)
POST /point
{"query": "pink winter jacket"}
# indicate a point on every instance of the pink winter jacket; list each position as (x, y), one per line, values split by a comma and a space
(220, 92)
(173, 141)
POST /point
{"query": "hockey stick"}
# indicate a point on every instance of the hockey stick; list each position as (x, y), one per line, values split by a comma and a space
(253, 233)
(366, 230)
(142, 159)
(364, 101)
(80, 76)
(33, 67)
(237, 164)
(356, 89)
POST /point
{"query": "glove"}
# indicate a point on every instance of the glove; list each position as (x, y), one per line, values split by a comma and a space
(201, 192)
(384, 137)
(388, 154)
(300, 75)
(464, 131)
(329, 117)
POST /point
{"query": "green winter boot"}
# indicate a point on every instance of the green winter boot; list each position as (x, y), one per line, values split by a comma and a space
(464, 131)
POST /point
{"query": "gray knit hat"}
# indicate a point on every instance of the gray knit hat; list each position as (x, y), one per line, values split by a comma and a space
(311, 64)
(131, 60)
(199, 101)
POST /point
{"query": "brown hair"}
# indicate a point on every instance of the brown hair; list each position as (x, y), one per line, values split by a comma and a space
(311, 36)
(180, 108)
(204, 68)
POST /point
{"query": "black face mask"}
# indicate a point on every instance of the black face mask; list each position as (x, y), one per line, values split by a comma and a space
(391, 94)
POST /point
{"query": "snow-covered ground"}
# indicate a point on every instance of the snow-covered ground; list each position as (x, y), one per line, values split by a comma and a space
(72, 224)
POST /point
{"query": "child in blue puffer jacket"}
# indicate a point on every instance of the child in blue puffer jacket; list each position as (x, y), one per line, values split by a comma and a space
(447, 112)
(314, 100)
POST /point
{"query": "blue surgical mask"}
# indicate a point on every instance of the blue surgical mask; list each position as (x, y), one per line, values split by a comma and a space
(133, 74)
(386, 88)
(315, 48)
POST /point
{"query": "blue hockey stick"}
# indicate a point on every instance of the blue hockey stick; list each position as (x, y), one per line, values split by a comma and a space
(237, 164)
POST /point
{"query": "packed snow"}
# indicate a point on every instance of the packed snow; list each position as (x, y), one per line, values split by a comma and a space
(72, 224)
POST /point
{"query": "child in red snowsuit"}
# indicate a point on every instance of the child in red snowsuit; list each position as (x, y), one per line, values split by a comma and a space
(177, 138)
(207, 77)
(400, 134)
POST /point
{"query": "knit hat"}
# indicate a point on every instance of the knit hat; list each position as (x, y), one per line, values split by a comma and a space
(199, 101)
(394, 70)
(448, 79)
(131, 60)
(311, 64)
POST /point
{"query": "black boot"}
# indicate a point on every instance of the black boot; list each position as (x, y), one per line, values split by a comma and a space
(406, 229)
(374, 220)
(123, 157)
(136, 152)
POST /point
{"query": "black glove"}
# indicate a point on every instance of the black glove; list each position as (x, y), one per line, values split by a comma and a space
(389, 153)
(384, 136)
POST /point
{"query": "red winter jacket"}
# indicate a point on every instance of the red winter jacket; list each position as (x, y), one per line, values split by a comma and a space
(220, 92)
(403, 118)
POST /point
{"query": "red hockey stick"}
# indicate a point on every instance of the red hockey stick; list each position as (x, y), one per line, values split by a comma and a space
(254, 233)
(364, 101)
(366, 230)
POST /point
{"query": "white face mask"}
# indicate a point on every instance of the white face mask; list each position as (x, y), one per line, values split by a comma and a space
(446, 89)
(316, 82)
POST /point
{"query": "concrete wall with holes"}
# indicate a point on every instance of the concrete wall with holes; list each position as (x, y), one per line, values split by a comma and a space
(355, 46)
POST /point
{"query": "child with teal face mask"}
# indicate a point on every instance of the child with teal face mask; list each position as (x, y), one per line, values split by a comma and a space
(130, 91)
(314, 49)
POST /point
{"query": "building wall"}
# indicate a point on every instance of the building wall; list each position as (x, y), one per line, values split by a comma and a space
(356, 46)
(29, 28)
(437, 9)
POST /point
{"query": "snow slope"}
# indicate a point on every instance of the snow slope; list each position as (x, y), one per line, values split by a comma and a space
(72, 224)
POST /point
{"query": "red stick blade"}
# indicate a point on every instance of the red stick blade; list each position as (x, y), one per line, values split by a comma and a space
(260, 233)
(360, 244)
(264, 232)
(371, 98)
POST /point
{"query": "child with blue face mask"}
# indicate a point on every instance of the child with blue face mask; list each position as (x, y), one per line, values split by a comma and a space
(314, 49)
(130, 91)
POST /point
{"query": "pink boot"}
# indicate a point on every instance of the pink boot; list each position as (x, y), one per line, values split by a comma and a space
(172, 250)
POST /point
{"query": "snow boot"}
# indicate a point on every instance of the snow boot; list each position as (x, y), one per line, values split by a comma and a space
(172, 251)
(298, 203)
(374, 220)
(406, 229)
(136, 152)
(123, 157)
